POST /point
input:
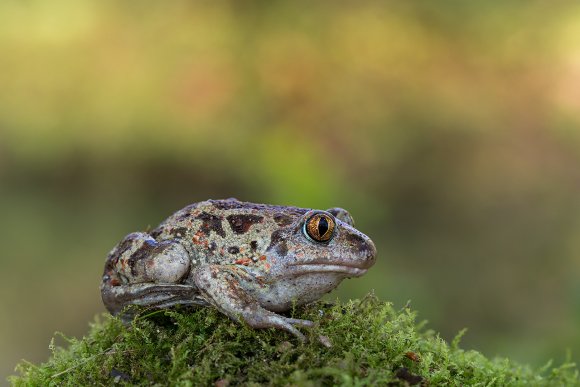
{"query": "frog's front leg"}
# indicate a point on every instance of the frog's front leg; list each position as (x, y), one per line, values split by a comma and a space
(223, 287)
(142, 271)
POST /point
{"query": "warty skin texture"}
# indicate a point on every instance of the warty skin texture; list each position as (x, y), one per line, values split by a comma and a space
(248, 260)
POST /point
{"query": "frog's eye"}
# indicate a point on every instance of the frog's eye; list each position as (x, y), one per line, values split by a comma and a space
(319, 227)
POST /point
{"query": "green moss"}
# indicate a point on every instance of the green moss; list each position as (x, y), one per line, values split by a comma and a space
(362, 342)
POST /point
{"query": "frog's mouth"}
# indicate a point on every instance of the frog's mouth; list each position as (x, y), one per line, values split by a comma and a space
(317, 268)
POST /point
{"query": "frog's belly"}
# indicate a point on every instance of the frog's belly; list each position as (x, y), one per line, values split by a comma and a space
(285, 293)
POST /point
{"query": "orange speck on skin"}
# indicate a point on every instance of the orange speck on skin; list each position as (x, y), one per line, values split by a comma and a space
(243, 261)
(263, 258)
(198, 238)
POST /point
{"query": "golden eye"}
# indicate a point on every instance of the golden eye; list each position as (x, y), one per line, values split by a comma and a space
(320, 227)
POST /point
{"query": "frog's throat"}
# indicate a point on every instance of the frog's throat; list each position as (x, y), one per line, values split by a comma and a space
(311, 268)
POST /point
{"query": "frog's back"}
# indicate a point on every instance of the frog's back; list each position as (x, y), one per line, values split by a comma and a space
(226, 231)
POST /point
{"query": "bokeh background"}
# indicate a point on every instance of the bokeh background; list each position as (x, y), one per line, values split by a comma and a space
(450, 131)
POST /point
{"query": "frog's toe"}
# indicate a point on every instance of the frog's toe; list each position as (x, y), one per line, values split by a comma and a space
(295, 332)
(300, 323)
(284, 324)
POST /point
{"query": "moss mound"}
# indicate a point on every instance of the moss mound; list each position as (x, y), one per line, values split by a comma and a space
(362, 342)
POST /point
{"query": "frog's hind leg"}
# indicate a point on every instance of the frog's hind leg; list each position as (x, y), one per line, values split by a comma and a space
(142, 271)
(222, 287)
(139, 258)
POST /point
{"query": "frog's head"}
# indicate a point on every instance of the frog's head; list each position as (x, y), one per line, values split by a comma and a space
(327, 242)
(311, 254)
(317, 242)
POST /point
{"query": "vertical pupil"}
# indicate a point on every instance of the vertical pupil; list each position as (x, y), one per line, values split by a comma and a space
(322, 226)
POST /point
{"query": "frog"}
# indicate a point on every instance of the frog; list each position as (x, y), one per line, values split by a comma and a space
(249, 261)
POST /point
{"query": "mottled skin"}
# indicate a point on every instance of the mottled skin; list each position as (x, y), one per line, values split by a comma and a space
(247, 260)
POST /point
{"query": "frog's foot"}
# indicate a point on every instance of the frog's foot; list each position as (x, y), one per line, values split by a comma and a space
(263, 318)
(222, 286)
(158, 296)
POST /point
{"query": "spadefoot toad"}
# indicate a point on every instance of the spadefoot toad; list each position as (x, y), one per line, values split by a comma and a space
(250, 261)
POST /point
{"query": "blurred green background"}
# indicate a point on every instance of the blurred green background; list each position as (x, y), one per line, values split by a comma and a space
(450, 131)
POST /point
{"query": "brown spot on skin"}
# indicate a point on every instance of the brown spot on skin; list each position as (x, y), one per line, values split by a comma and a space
(254, 245)
(156, 232)
(211, 223)
(115, 282)
(282, 220)
(178, 232)
(282, 249)
(233, 250)
(241, 223)
(262, 258)
(278, 242)
(276, 237)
